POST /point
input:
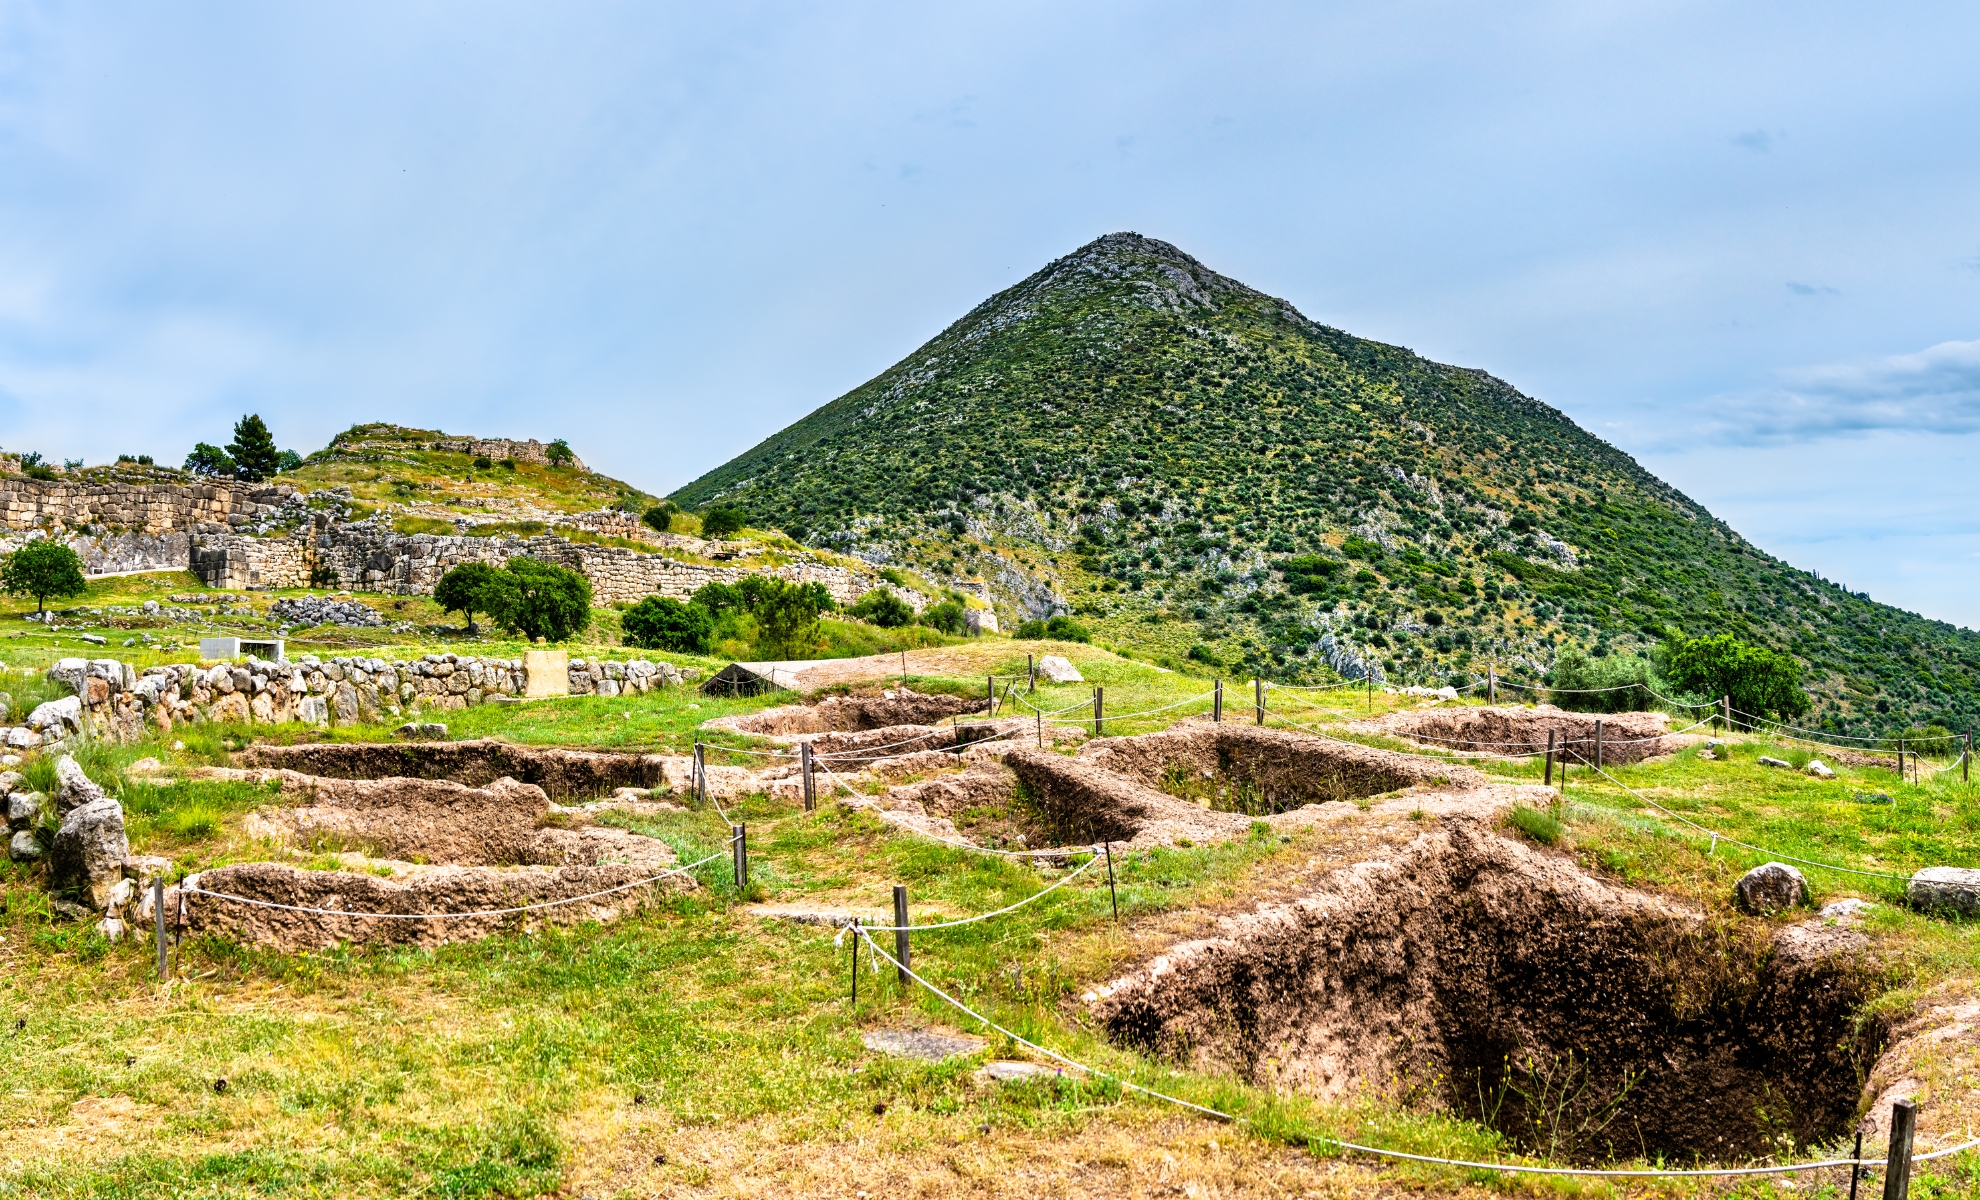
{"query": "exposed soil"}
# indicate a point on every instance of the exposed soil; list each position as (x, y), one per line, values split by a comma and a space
(1471, 972)
(559, 772)
(850, 714)
(1626, 737)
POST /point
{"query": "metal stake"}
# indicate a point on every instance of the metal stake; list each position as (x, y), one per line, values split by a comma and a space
(810, 795)
(1856, 1166)
(1031, 674)
(1492, 684)
(1111, 894)
(990, 684)
(1897, 1165)
(739, 850)
(855, 962)
(901, 931)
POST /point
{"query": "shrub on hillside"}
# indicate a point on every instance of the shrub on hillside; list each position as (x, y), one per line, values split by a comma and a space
(550, 602)
(1579, 683)
(946, 616)
(722, 522)
(660, 517)
(1932, 741)
(559, 453)
(42, 569)
(883, 608)
(1065, 629)
(475, 587)
(661, 623)
(786, 616)
(1761, 682)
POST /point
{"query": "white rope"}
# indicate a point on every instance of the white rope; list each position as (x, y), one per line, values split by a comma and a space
(1510, 1168)
(1039, 895)
(491, 912)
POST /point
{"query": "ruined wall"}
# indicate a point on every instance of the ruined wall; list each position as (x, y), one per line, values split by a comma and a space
(501, 448)
(244, 562)
(146, 508)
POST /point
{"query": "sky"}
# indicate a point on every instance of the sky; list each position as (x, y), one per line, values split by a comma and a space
(1742, 243)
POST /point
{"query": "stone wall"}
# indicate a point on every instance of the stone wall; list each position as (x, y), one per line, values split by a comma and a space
(234, 562)
(501, 448)
(146, 508)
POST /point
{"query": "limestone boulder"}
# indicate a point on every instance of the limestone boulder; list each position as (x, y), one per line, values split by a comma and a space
(57, 714)
(1769, 888)
(73, 788)
(24, 809)
(1945, 889)
(24, 846)
(1057, 669)
(87, 859)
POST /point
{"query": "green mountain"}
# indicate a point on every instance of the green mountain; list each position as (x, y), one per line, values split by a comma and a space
(1199, 470)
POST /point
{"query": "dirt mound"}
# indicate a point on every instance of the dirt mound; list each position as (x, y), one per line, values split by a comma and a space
(1276, 768)
(1626, 737)
(1474, 973)
(558, 772)
(423, 890)
(851, 714)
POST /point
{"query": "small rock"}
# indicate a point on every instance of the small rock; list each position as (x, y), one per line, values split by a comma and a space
(11, 782)
(1950, 889)
(71, 910)
(1818, 769)
(23, 809)
(1771, 887)
(1005, 1071)
(1764, 761)
(55, 714)
(1846, 910)
(1707, 756)
(1058, 669)
(75, 788)
(94, 639)
(145, 766)
(120, 893)
(917, 1043)
(111, 928)
(24, 846)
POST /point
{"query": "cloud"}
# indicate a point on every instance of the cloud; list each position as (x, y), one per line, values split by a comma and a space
(1759, 141)
(1811, 289)
(1936, 390)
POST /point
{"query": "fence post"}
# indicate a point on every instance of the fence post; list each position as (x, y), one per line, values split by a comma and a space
(1258, 698)
(990, 685)
(700, 778)
(855, 962)
(1030, 674)
(1492, 684)
(900, 931)
(1041, 730)
(739, 851)
(1550, 758)
(810, 796)
(1856, 1171)
(158, 913)
(1598, 745)
(1965, 756)
(1111, 894)
(1726, 703)
(1897, 1164)
(1099, 697)
(1217, 702)
(1900, 758)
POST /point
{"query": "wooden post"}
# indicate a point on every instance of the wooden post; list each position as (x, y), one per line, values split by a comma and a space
(739, 851)
(1897, 1164)
(900, 931)
(1217, 702)
(1856, 1165)
(1258, 698)
(1726, 703)
(700, 778)
(855, 962)
(1111, 894)
(990, 685)
(810, 795)
(158, 915)
(1598, 745)
(1492, 684)
(1965, 756)
(1900, 757)
(1041, 731)
(1030, 674)
(1550, 758)
(1099, 696)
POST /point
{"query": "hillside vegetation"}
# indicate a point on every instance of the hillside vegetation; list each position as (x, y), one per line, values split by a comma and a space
(1206, 473)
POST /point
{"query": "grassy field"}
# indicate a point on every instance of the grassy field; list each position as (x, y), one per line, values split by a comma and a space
(698, 1049)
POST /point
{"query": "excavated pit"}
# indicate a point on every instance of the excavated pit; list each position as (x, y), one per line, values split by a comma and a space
(851, 714)
(422, 846)
(1626, 737)
(1467, 972)
(560, 773)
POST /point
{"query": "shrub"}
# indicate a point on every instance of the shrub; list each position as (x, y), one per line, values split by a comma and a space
(786, 618)
(484, 463)
(1932, 741)
(662, 623)
(1761, 682)
(288, 461)
(883, 608)
(550, 602)
(1205, 655)
(721, 522)
(660, 517)
(946, 616)
(1032, 629)
(1581, 683)
(559, 453)
(475, 587)
(1065, 629)
(42, 569)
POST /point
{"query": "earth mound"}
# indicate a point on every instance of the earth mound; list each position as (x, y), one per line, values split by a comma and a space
(1626, 737)
(851, 714)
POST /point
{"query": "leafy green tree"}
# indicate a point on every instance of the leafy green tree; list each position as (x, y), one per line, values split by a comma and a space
(253, 449)
(208, 459)
(1065, 629)
(660, 517)
(475, 587)
(550, 602)
(42, 569)
(559, 453)
(663, 623)
(946, 616)
(1613, 684)
(722, 522)
(883, 608)
(719, 598)
(289, 461)
(1761, 682)
(786, 618)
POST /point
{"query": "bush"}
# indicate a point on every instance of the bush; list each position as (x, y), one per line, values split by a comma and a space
(1932, 741)
(475, 587)
(550, 602)
(484, 463)
(42, 569)
(883, 608)
(1065, 629)
(1205, 655)
(946, 616)
(660, 517)
(207, 459)
(559, 453)
(722, 522)
(1581, 683)
(662, 623)
(1761, 682)
(786, 618)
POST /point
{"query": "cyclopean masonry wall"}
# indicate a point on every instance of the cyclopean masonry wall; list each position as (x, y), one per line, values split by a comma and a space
(114, 700)
(368, 556)
(501, 448)
(132, 527)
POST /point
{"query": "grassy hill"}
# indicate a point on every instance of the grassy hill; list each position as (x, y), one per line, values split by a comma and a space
(1204, 472)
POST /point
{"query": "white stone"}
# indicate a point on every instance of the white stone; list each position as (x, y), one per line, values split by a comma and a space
(1059, 670)
(1819, 769)
(1771, 887)
(55, 714)
(1952, 888)
(1764, 761)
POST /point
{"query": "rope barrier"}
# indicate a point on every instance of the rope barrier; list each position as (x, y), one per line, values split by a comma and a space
(1377, 1151)
(490, 912)
(1038, 895)
(1945, 737)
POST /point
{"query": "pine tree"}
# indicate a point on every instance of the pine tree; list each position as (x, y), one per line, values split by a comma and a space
(253, 449)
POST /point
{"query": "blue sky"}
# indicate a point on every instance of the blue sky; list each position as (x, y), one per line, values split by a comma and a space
(1741, 242)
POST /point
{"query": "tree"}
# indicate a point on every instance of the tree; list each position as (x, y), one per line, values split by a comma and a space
(946, 616)
(42, 569)
(559, 453)
(786, 617)
(661, 516)
(1613, 684)
(289, 461)
(475, 587)
(208, 459)
(883, 608)
(1760, 682)
(721, 522)
(550, 602)
(719, 598)
(662, 623)
(253, 449)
